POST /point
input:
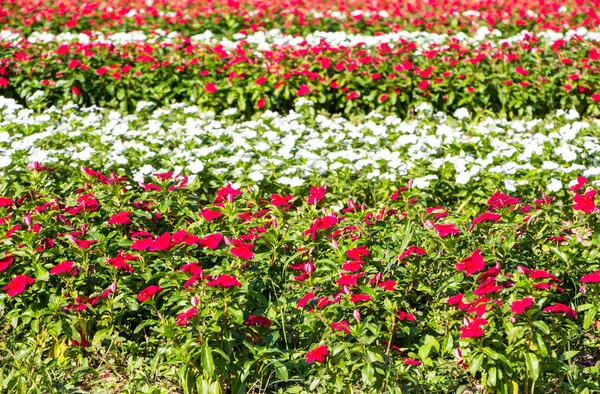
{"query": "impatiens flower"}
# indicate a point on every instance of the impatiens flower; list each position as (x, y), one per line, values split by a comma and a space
(6, 261)
(405, 316)
(357, 253)
(321, 224)
(594, 277)
(210, 88)
(472, 264)
(184, 317)
(225, 281)
(444, 230)
(254, 320)
(163, 242)
(303, 90)
(316, 194)
(486, 217)
(341, 326)
(387, 285)
(142, 244)
(211, 241)
(519, 306)
(209, 214)
(148, 292)
(585, 202)
(64, 267)
(354, 298)
(438, 212)
(561, 308)
(317, 354)
(241, 250)
(120, 218)
(500, 200)
(6, 202)
(473, 328)
(226, 193)
(305, 299)
(281, 201)
(411, 361)
(410, 251)
(18, 285)
(579, 183)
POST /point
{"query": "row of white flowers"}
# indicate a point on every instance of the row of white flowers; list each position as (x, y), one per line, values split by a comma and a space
(291, 149)
(266, 40)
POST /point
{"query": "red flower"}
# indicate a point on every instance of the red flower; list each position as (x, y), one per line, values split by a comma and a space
(521, 70)
(318, 354)
(241, 250)
(581, 181)
(120, 218)
(260, 103)
(596, 97)
(423, 84)
(341, 326)
(183, 317)
(260, 80)
(594, 277)
(438, 212)
(444, 230)
(387, 285)
(501, 200)
(142, 244)
(225, 281)
(354, 298)
(410, 251)
(316, 194)
(226, 193)
(473, 328)
(6, 261)
(210, 88)
(302, 301)
(357, 253)
(75, 90)
(211, 241)
(303, 90)
(352, 96)
(101, 70)
(60, 268)
(209, 215)
(254, 320)
(161, 243)
(279, 201)
(585, 202)
(148, 292)
(411, 361)
(486, 217)
(519, 306)
(472, 264)
(561, 308)
(405, 316)
(18, 285)
(6, 202)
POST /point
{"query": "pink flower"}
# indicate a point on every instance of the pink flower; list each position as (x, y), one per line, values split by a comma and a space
(279, 201)
(501, 200)
(64, 267)
(486, 217)
(210, 88)
(6, 261)
(303, 90)
(444, 230)
(411, 361)
(596, 97)
(242, 250)
(341, 326)
(209, 215)
(387, 285)
(305, 299)
(472, 264)
(120, 218)
(585, 202)
(357, 253)
(317, 354)
(594, 277)
(75, 90)
(224, 281)
(18, 285)
(227, 193)
(519, 306)
(473, 328)
(211, 241)
(254, 320)
(410, 251)
(316, 194)
(148, 292)
(183, 317)
(581, 181)
(561, 308)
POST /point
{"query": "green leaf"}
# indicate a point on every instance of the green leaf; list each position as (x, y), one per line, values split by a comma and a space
(476, 364)
(208, 365)
(560, 254)
(543, 327)
(589, 318)
(533, 366)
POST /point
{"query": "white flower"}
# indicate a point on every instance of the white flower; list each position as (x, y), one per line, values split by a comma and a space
(196, 166)
(462, 113)
(554, 185)
(510, 185)
(256, 176)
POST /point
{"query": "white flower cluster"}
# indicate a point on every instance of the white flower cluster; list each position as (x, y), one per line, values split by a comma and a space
(292, 149)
